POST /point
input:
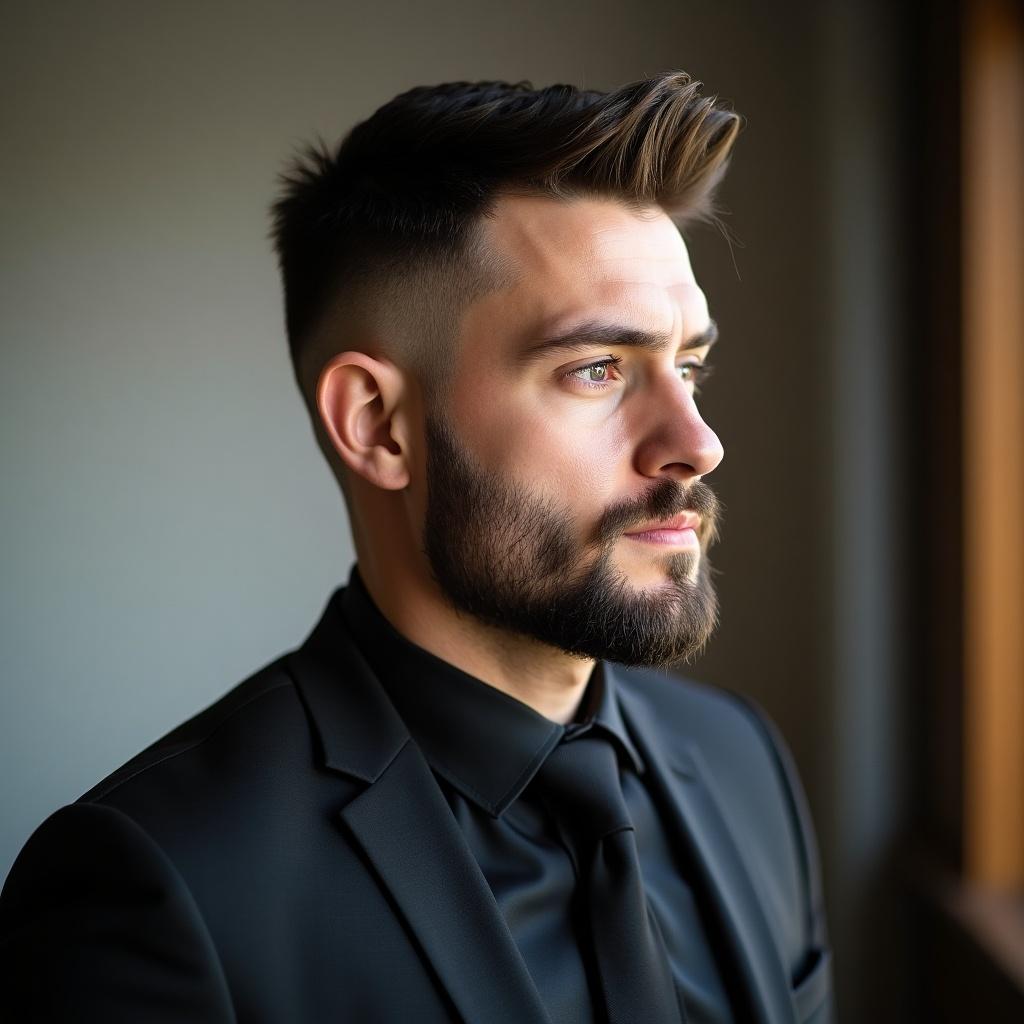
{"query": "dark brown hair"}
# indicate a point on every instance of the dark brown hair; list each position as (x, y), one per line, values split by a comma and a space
(386, 224)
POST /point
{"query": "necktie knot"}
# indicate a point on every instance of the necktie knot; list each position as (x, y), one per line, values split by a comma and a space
(580, 781)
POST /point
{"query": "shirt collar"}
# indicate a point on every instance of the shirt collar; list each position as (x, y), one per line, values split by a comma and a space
(607, 717)
(486, 743)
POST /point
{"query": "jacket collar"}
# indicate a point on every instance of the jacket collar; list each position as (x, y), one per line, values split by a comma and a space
(359, 732)
(484, 742)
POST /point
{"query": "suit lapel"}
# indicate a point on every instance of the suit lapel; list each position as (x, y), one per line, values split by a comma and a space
(680, 776)
(405, 827)
(407, 830)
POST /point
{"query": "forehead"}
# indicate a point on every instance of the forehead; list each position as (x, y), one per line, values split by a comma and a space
(587, 257)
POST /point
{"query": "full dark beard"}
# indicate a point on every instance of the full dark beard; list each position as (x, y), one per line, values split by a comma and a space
(513, 561)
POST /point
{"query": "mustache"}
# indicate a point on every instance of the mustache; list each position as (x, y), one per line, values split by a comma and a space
(665, 500)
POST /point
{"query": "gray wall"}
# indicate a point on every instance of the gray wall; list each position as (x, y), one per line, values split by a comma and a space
(168, 524)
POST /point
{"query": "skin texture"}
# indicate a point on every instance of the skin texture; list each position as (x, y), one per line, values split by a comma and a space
(538, 476)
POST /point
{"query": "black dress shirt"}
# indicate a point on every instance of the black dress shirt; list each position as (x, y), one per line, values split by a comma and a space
(484, 748)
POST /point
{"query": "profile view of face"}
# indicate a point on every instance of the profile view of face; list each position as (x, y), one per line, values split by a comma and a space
(572, 426)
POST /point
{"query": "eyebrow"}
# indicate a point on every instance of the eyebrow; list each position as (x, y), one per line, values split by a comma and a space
(601, 333)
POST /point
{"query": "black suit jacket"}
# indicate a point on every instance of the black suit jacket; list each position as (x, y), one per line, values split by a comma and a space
(286, 855)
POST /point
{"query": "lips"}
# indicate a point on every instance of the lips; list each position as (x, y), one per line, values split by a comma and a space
(683, 521)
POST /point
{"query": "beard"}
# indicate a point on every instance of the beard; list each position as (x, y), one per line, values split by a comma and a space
(513, 560)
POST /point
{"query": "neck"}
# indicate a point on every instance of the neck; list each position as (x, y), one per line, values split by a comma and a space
(545, 679)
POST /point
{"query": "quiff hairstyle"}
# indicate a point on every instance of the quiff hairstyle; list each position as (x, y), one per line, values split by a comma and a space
(385, 229)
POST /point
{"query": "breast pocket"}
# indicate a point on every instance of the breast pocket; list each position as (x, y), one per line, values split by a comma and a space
(812, 996)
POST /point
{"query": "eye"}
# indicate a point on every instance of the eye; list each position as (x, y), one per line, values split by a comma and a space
(597, 376)
(695, 374)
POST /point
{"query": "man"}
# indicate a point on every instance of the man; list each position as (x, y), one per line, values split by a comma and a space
(474, 793)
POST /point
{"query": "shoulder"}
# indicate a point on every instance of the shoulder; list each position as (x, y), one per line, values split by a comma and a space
(721, 722)
(207, 742)
(89, 903)
(226, 780)
(731, 733)
(114, 883)
(191, 765)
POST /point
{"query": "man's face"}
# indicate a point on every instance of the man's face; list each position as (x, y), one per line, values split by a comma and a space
(550, 459)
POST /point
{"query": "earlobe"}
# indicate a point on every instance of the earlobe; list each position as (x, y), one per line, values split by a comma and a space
(357, 397)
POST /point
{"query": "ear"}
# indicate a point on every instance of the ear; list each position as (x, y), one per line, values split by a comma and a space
(359, 399)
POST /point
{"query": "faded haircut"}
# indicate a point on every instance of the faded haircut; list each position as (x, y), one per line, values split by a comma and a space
(385, 228)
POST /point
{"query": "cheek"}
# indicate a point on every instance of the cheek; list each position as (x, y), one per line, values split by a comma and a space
(575, 452)
(580, 467)
(597, 448)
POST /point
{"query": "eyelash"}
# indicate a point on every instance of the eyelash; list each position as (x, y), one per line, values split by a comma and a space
(699, 373)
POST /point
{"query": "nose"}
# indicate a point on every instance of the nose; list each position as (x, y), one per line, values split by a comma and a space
(676, 440)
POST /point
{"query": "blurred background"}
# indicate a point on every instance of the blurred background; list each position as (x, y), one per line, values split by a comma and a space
(169, 525)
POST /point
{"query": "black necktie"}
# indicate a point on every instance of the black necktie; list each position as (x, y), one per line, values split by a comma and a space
(580, 781)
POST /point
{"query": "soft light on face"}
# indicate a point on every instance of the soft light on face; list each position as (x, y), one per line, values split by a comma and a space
(572, 423)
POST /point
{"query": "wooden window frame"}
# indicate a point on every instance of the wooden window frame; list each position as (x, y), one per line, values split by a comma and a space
(993, 442)
(969, 868)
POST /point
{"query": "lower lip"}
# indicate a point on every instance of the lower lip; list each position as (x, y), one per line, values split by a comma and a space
(683, 538)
